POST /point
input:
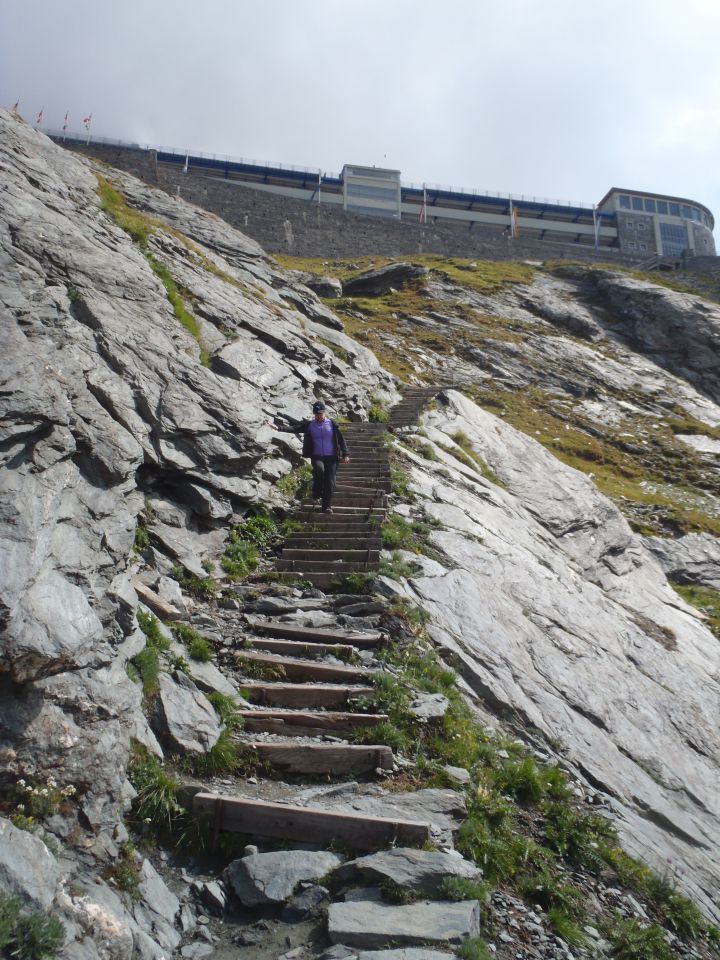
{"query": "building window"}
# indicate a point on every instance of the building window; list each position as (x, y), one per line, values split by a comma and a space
(662, 206)
(624, 201)
(674, 238)
(649, 206)
(641, 226)
(637, 203)
(630, 244)
(629, 224)
(642, 246)
(686, 212)
(674, 209)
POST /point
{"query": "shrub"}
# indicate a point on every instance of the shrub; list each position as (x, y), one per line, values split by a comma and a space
(240, 557)
(37, 936)
(566, 927)
(631, 941)
(475, 949)
(226, 708)
(30, 936)
(575, 836)
(460, 888)
(523, 780)
(158, 792)
(377, 413)
(201, 650)
(297, 482)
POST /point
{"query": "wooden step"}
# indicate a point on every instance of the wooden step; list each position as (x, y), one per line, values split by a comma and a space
(303, 669)
(300, 648)
(336, 567)
(331, 758)
(279, 820)
(334, 543)
(323, 580)
(305, 694)
(307, 723)
(291, 631)
(331, 553)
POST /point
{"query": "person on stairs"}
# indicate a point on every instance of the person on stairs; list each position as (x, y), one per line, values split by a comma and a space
(325, 445)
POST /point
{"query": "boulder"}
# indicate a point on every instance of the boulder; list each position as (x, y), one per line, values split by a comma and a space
(375, 283)
(374, 925)
(429, 706)
(420, 870)
(692, 559)
(27, 868)
(184, 719)
(273, 877)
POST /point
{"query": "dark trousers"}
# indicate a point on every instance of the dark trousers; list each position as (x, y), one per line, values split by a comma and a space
(324, 473)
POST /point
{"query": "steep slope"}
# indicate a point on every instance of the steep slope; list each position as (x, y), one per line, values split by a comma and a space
(149, 349)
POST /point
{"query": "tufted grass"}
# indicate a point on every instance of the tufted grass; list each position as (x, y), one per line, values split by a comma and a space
(140, 227)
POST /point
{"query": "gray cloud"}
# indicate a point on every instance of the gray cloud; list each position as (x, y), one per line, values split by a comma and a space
(554, 98)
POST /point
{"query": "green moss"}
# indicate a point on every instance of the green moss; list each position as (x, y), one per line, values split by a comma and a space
(141, 227)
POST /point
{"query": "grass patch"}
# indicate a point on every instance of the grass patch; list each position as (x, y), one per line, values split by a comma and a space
(396, 567)
(631, 940)
(158, 792)
(203, 588)
(28, 936)
(655, 480)
(244, 542)
(140, 228)
(146, 664)
(296, 483)
(124, 873)
(705, 599)
(340, 352)
(199, 647)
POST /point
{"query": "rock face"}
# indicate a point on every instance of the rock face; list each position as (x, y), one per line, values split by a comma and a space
(560, 616)
(694, 558)
(27, 868)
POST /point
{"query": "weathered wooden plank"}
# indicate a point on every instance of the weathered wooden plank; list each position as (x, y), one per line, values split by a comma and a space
(307, 723)
(331, 758)
(164, 610)
(303, 669)
(263, 819)
(301, 648)
(305, 694)
(276, 628)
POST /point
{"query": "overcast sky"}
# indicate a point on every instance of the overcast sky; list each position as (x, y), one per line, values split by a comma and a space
(552, 98)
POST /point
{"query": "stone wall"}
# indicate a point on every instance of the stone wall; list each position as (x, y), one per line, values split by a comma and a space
(290, 226)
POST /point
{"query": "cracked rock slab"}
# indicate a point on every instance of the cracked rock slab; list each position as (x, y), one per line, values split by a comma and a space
(265, 878)
(375, 925)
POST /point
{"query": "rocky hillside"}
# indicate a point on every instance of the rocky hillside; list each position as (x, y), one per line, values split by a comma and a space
(556, 522)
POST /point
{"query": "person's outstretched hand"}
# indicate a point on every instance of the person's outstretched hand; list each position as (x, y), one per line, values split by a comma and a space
(346, 459)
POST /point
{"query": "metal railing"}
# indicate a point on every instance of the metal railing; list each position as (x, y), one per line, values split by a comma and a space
(316, 171)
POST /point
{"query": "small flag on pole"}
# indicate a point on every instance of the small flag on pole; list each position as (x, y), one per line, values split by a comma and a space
(15, 108)
(39, 117)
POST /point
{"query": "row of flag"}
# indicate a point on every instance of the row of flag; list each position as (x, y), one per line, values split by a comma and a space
(86, 120)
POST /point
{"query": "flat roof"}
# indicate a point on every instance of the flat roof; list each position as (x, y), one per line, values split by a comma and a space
(657, 196)
(364, 166)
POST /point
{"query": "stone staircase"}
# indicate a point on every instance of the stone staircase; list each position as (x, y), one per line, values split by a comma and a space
(310, 690)
(348, 541)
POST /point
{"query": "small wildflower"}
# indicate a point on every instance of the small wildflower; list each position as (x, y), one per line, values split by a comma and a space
(44, 792)
(147, 820)
(51, 782)
(20, 807)
(21, 783)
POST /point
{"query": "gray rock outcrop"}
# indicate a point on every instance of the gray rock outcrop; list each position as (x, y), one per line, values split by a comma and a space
(263, 878)
(185, 719)
(27, 868)
(375, 925)
(422, 871)
(692, 559)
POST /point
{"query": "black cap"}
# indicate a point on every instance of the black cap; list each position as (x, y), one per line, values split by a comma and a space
(318, 406)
